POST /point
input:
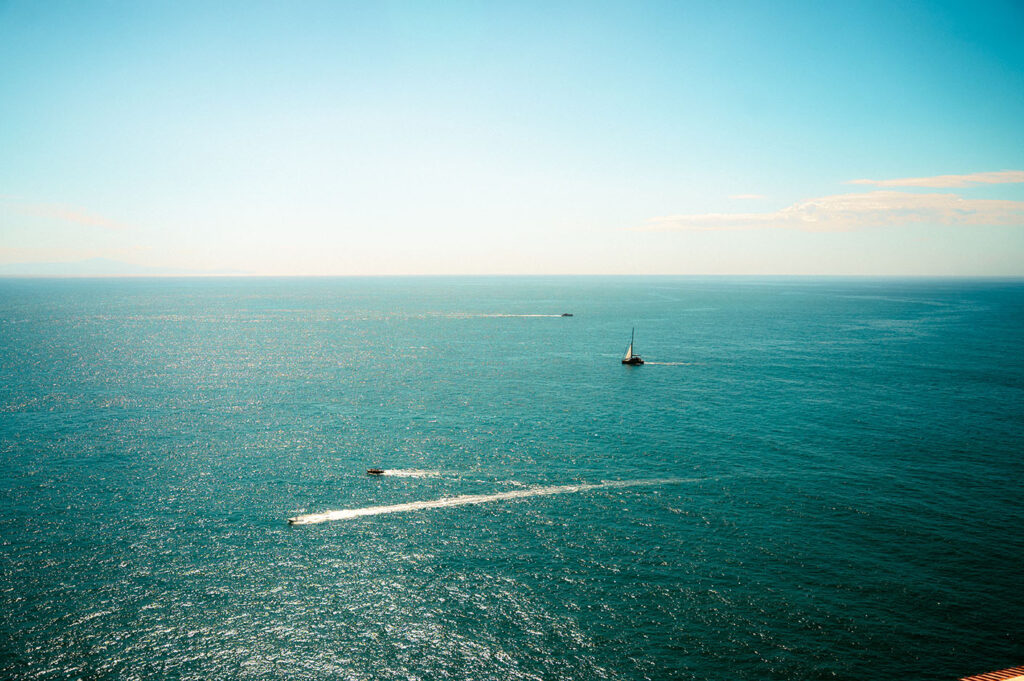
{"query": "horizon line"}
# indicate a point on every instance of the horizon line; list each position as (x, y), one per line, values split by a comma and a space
(1003, 277)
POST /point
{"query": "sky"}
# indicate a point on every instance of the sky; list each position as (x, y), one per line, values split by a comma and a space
(365, 138)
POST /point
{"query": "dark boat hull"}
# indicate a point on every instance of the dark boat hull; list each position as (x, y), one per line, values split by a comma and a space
(633, 361)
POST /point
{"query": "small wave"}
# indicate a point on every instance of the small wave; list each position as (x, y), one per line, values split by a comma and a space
(467, 499)
(411, 473)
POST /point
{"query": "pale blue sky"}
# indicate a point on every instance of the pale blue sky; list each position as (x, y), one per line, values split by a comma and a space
(390, 138)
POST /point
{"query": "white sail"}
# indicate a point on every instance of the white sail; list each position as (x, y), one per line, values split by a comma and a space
(629, 350)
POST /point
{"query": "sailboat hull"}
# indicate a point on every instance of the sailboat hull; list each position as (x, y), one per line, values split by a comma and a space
(633, 361)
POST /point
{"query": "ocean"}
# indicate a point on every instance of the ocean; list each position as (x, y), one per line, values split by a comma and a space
(808, 479)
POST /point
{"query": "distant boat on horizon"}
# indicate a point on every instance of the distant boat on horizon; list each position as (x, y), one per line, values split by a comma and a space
(629, 357)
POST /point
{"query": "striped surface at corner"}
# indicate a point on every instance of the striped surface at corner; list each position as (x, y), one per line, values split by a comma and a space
(1012, 674)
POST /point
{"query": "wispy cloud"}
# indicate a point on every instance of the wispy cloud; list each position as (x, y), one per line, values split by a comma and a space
(844, 212)
(62, 213)
(997, 177)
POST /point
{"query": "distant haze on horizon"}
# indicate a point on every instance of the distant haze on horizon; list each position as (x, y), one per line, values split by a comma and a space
(343, 138)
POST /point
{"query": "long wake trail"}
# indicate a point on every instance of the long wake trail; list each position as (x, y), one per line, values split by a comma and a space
(467, 499)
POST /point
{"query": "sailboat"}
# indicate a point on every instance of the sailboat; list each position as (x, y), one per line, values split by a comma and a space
(629, 357)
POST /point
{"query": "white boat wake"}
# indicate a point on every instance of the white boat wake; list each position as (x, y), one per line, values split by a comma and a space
(467, 315)
(467, 499)
(411, 473)
(672, 364)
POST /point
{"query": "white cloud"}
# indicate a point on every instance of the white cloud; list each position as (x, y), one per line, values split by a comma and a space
(998, 177)
(61, 213)
(845, 212)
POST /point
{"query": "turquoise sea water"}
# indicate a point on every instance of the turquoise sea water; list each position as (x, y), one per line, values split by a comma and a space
(828, 478)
